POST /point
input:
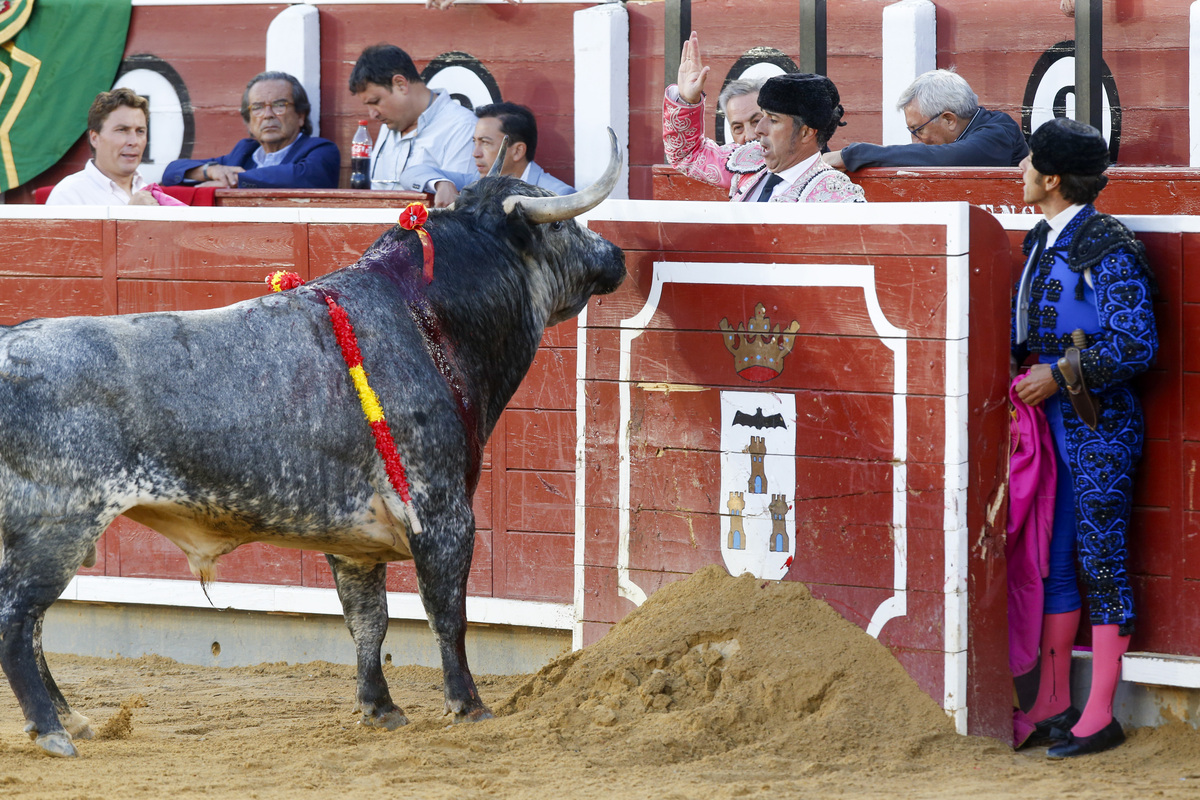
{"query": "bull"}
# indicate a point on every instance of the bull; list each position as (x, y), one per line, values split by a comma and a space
(242, 424)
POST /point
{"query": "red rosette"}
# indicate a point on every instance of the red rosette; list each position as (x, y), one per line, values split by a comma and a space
(413, 216)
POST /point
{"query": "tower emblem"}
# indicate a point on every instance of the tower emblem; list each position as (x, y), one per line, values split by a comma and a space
(758, 351)
(758, 475)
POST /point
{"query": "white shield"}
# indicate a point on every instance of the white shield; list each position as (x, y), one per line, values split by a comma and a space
(758, 482)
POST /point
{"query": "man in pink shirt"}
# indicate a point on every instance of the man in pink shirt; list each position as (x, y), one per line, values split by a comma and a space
(801, 111)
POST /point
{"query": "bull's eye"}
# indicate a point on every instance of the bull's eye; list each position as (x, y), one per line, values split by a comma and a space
(557, 225)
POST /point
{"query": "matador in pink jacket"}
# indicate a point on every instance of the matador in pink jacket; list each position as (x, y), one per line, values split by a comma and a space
(801, 111)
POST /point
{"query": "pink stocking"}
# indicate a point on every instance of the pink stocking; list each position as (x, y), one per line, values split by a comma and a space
(1054, 684)
(1107, 648)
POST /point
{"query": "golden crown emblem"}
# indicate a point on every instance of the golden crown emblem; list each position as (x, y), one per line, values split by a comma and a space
(758, 351)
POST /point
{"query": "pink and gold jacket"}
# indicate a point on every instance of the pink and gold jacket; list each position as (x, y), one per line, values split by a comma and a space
(740, 168)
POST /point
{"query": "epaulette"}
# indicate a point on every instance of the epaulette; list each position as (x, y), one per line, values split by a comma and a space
(746, 159)
(1099, 236)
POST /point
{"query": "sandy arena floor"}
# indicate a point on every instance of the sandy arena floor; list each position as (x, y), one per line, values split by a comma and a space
(716, 688)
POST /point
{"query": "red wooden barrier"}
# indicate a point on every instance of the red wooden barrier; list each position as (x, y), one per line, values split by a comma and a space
(862, 463)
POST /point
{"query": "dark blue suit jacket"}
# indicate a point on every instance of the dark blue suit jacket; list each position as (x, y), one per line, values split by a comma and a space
(310, 163)
(991, 140)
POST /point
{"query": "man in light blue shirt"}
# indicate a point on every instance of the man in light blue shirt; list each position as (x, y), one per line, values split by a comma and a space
(421, 126)
(495, 121)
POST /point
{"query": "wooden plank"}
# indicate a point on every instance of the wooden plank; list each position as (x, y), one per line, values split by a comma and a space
(540, 501)
(332, 247)
(539, 566)
(60, 248)
(141, 296)
(794, 240)
(27, 298)
(550, 383)
(540, 439)
(211, 251)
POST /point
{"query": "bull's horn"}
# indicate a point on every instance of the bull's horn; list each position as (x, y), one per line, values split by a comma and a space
(551, 209)
(498, 164)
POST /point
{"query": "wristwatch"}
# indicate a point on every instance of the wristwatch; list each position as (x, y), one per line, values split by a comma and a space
(205, 170)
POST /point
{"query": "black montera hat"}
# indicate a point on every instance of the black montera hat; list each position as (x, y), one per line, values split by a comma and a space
(1064, 146)
(811, 97)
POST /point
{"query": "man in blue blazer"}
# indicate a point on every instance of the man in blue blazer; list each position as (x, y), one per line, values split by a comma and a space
(281, 152)
(494, 122)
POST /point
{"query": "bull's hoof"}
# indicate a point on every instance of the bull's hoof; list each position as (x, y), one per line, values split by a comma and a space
(79, 726)
(388, 720)
(57, 744)
(474, 715)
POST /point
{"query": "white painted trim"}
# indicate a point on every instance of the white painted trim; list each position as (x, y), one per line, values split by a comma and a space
(909, 50)
(1139, 223)
(300, 600)
(288, 214)
(768, 274)
(339, 2)
(955, 473)
(580, 479)
(726, 213)
(1159, 669)
(601, 92)
(294, 47)
(1194, 83)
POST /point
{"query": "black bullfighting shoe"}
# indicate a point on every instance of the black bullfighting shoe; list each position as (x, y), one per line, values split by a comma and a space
(1106, 738)
(1053, 730)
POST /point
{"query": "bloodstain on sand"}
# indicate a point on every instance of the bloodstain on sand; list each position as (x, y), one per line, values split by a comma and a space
(717, 687)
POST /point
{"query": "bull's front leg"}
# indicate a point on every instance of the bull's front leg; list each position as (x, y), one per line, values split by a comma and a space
(363, 592)
(442, 555)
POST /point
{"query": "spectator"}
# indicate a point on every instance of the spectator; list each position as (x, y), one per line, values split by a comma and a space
(800, 112)
(421, 126)
(281, 152)
(117, 125)
(738, 101)
(943, 115)
(1084, 310)
(495, 121)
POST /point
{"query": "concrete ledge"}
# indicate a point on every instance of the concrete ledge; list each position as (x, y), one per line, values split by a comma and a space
(233, 638)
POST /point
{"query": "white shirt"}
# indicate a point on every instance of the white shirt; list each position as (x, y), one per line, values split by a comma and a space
(789, 177)
(1057, 224)
(442, 139)
(91, 187)
(264, 159)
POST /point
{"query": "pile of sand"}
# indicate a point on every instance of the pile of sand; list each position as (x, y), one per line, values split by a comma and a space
(713, 664)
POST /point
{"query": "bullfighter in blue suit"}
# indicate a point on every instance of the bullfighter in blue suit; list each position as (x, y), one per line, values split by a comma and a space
(281, 152)
(1084, 309)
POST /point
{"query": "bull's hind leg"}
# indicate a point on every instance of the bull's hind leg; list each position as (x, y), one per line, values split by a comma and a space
(442, 554)
(362, 590)
(36, 566)
(76, 724)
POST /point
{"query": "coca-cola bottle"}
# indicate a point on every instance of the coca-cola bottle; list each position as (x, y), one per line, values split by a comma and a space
(360, 158)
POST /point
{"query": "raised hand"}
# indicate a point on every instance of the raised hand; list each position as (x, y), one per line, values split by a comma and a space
(692, 72)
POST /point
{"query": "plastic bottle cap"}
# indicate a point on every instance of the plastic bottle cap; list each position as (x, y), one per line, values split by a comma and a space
(364, 122)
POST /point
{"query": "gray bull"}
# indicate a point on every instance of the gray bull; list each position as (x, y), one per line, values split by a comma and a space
(241, 424)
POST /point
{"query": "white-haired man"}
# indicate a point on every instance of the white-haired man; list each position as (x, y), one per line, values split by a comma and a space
(738, 101)
(949, 128)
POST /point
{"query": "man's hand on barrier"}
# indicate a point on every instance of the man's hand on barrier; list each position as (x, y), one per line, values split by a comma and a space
(834, 159)
(143, 198)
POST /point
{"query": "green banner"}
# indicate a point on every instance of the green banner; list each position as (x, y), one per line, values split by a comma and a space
(66, 53)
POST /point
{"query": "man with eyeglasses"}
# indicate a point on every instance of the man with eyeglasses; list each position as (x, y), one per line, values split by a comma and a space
(281, 152)
(949, 129)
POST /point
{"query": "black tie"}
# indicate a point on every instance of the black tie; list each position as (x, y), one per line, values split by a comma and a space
(1041, 231)
(773, 180)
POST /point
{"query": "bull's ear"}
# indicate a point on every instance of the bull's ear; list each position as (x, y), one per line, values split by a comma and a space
(520, 229)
